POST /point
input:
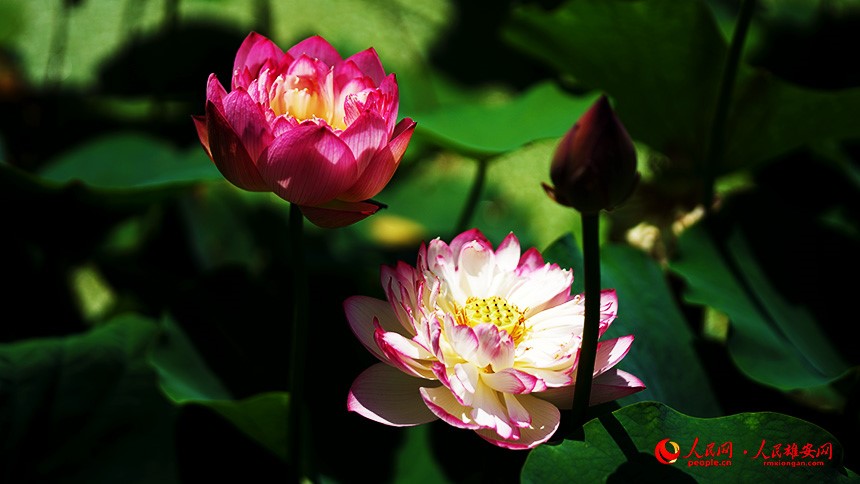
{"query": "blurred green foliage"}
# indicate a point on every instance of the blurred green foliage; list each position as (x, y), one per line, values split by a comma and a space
(146, 305)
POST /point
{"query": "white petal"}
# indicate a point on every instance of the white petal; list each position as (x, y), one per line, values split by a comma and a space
(360, 311)
(476, 267)
(544, 288)
(488, 412)
(463, 340)
(404, 353)
(544, 422)
(495, 347)
(387, 395)
(610, 352)
(442, 403)
(512, 380)
(614, 384)
(518, 414)
(508, 254)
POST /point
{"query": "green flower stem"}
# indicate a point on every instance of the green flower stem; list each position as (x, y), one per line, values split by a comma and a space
(588, 347)
(717, 140)
(298, 444)
(474, 196)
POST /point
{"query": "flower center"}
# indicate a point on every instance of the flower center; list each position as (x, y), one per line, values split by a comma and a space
(494, 310)
(301, 99)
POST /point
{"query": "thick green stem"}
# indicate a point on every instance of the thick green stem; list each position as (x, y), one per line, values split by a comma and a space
(298, 445)
(474, 197)
(717, 140)
(588, 348)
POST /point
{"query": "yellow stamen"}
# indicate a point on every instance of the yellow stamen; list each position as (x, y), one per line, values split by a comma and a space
(301, 99)
(494, 310)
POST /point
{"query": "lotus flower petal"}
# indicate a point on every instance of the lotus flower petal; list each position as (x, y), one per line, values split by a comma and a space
(457, 324)
(316, 47)
(319, 131)
(309, 165)
(256, 53)
(382, 166)
(231, 158)
(384, 394)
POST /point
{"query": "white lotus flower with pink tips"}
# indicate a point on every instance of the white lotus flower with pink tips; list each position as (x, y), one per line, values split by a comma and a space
(483, 339)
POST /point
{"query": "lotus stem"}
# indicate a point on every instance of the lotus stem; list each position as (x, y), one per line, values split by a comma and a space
(717, 140)
(591, 330)
(298, 444)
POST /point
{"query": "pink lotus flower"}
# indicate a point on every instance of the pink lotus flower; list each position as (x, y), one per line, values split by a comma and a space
(484, 340)
(316, 130)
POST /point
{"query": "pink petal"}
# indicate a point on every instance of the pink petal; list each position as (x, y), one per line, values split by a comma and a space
(360, 313)
(529, 262)
(608, 309)
(365, 137)
(202, 132)
(511, 380)
(386, 395)
(610, 352)
(248, 121)
(545, 418)
(255, 53)
(229, 154)
(353, 97)
(307, 67)
(383, 165)
(336, 213)
(368, 62)
(614, 384)
(442, 403)
(495, 347)
(459, 241)
(462, 339)
(215, 92)
(308, 165)
(611, 385)
(388, 102)
(346, 71)
(316, 47)
(404, 353)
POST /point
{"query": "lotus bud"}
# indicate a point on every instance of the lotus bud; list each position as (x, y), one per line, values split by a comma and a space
(594, 167)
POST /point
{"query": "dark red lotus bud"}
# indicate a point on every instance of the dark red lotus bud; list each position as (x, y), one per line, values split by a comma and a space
(594, 167)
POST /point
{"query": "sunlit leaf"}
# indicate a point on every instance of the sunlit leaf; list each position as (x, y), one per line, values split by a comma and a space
(131, 162)
(620, 447)
(660, 60)
(545, 111)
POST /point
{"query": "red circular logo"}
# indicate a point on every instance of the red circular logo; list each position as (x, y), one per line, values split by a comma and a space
(664, 455)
